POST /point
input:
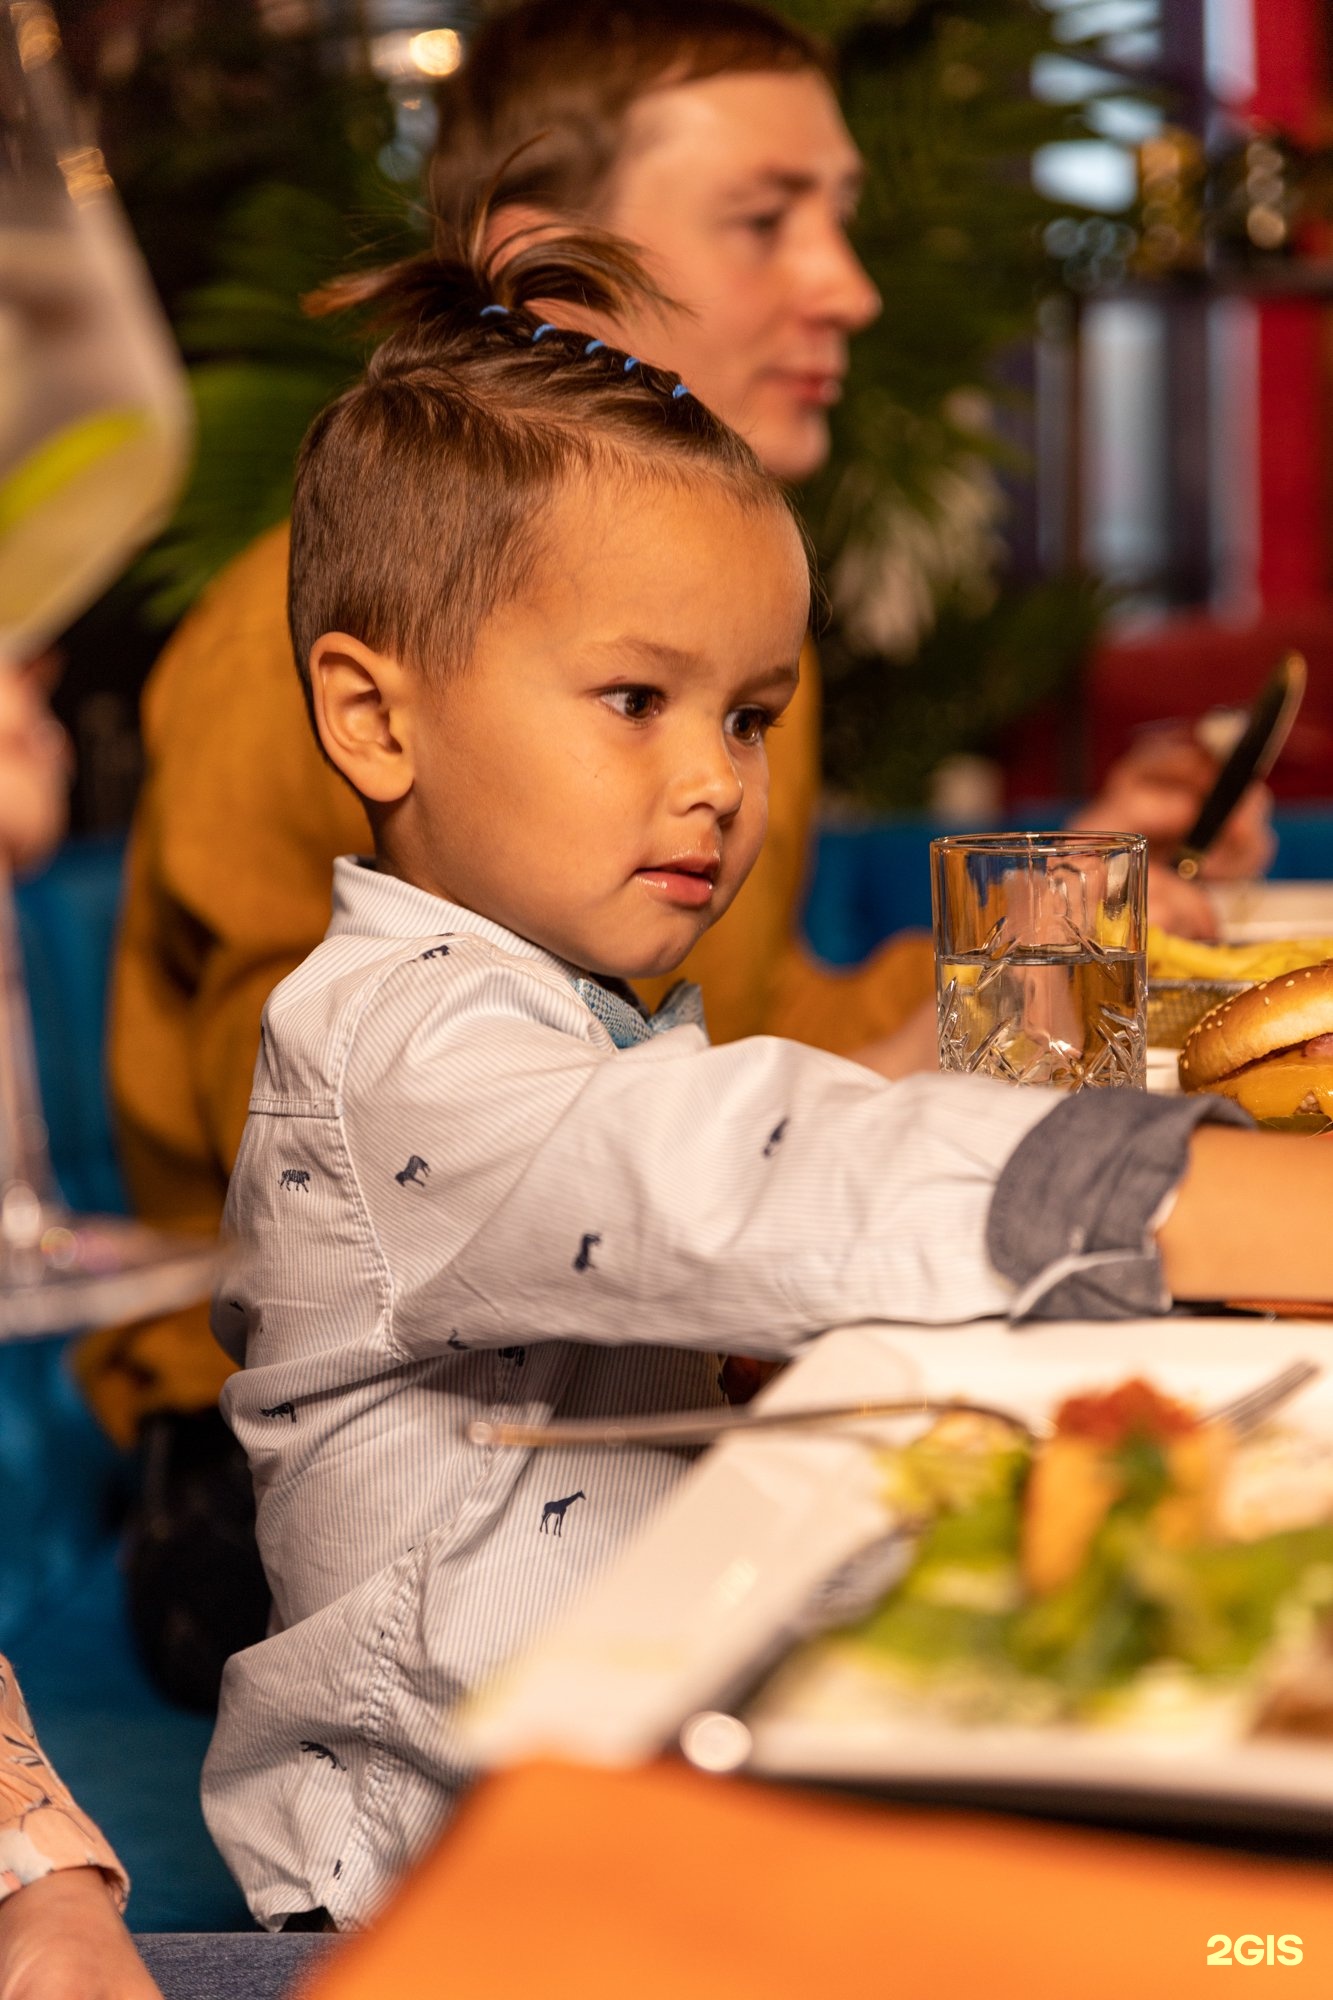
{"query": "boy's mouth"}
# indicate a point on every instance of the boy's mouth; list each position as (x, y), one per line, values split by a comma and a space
(686, 879)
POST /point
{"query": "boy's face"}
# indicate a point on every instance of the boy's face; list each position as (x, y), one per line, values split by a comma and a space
(739, 189)
(595, 777)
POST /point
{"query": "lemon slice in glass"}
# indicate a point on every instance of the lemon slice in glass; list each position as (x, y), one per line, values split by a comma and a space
(72, 512)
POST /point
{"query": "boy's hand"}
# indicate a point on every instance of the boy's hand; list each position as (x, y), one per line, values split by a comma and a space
(61, 1938)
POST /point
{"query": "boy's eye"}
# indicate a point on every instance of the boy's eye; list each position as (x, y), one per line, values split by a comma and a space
(636, 704)
(751, 725)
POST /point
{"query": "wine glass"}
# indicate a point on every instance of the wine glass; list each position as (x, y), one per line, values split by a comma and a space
(94, 441)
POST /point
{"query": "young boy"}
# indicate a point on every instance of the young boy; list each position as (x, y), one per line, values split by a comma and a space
(708, 133)
(547, 609)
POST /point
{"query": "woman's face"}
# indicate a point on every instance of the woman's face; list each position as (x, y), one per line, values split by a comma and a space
(740, 189)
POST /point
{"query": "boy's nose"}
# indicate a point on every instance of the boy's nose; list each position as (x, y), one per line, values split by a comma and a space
(707, 776)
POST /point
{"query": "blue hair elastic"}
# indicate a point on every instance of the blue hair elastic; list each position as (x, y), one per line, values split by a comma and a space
(632, 362)
(593, 346)
(678, 391)
(547, 326)
(486, 311)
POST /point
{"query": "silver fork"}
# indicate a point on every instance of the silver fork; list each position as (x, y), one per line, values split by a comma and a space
(1244, 1414)
(702, 1426)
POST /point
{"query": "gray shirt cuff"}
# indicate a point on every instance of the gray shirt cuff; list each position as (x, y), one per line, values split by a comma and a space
(1072, 1216)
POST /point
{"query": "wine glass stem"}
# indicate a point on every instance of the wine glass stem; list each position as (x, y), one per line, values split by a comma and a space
(27, 1184)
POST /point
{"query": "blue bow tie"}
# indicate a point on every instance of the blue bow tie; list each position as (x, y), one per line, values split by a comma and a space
(626, 1021)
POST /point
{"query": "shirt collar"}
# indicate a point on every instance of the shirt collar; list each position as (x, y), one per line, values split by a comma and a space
(369, 903)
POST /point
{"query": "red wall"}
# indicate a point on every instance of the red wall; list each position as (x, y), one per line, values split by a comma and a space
(1294, 480)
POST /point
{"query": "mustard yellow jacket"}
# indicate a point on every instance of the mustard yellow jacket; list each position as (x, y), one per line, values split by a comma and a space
(228, 889)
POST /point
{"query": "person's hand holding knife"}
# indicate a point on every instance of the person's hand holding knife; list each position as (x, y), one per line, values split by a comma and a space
(1156, 789)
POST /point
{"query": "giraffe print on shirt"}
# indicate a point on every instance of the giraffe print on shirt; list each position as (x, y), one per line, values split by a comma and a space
(555, 1510)
(583, 1261)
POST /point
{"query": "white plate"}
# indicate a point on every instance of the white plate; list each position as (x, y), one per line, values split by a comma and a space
(1258, 912)
(1113, 1775)
(682, 1616)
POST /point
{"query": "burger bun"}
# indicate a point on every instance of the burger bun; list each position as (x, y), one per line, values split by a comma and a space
(1253, 1048)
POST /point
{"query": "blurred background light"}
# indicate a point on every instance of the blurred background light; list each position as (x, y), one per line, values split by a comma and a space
(1089, 173)
(432, 52)
(436, 52)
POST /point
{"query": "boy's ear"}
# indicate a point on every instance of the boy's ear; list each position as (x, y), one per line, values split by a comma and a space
(362, 701)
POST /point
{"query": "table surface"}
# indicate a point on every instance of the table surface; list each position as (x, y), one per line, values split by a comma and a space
(577, 1884)
(119, 1270)
(573, 1882)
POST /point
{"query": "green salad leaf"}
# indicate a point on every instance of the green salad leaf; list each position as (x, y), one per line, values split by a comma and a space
(962, 1626)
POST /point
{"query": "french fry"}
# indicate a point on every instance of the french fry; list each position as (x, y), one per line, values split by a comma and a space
(1185, 958)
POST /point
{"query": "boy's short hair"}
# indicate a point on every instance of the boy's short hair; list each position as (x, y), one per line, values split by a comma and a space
(420, 492)
(571, 70)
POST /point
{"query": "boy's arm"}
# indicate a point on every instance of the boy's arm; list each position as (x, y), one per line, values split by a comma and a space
(742, 1197)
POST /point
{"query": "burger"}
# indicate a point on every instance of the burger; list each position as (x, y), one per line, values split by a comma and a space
(1271, 1048)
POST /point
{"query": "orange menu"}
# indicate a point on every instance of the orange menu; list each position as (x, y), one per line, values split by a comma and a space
(661, 1884)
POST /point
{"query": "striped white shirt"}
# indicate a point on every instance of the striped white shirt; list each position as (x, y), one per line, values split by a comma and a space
(456, 1198)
